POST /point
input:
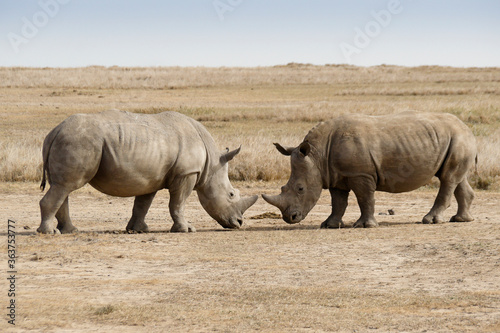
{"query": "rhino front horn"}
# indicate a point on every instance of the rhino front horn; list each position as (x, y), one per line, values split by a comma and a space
(247, 202)
(274, 200)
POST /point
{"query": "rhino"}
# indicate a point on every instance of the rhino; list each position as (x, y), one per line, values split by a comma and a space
(126, 154)
(391, 153)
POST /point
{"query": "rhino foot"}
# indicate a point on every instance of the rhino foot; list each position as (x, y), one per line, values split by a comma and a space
(462, 218)
(136, 226)
(48, 231)
(68, 230)
(137, 230)
(432, 219)
(182, 228)
(140, 231)
(366, 223)
(332, 224)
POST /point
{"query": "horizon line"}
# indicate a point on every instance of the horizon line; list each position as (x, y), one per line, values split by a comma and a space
(290, 64)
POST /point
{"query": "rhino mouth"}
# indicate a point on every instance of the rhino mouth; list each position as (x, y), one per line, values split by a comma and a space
(293, 217)
(233, 223)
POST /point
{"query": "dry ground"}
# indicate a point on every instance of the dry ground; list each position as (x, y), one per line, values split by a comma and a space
(268, 276)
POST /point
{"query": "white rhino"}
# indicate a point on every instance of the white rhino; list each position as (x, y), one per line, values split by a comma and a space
(392, 153)
(125, 154)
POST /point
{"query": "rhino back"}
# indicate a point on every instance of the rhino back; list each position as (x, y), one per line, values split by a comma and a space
(143, 153)
(401, 152)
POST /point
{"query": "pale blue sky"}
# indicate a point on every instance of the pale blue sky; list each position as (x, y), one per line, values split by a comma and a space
(69, 33)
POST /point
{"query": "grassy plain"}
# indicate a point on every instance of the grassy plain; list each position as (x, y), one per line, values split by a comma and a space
(268, 276)
(249, 106)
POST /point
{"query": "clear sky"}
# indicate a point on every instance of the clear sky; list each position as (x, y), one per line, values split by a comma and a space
(71, 33)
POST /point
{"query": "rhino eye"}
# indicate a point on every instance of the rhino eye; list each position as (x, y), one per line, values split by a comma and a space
(231, 194)
(300, 189)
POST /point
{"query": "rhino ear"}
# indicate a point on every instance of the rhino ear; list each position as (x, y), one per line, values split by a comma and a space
(287, 151)
(229, 155)
(305, 148)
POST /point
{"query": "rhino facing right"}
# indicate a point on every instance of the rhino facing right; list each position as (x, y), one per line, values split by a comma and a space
(392, 153)
(127, 154)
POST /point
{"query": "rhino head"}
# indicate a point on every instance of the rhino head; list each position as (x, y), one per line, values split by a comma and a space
(218, 197)
(304, 187)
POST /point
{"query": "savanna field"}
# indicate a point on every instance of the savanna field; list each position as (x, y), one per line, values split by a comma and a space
(267, 276)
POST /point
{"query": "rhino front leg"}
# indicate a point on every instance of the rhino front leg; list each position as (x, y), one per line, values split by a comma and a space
(179, 192)
(64, 224)
(364, 189)
(141, 207)
(441, 203)
(339, 205)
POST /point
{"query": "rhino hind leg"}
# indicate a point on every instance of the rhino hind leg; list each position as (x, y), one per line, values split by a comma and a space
(441, 202)
(364, 189)
(339, 205)
(50, 205)
(64, 224)
(464, 195)
(179, 192)
(141, 207)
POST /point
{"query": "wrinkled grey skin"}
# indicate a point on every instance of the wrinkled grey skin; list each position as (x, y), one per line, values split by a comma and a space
(393, 153)
(125, 154)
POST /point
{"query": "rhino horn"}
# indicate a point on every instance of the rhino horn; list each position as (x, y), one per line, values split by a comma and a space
(274, 200)
(247, 202)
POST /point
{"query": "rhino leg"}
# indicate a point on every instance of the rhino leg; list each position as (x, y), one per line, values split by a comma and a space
(464, 195)
(179, 192)
(339, 205)
(364, 189)
(64, 224)
(442, 202)
(141, 207)
(50, 205)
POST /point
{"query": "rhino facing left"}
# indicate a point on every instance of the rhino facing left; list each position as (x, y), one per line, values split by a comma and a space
(125, 154)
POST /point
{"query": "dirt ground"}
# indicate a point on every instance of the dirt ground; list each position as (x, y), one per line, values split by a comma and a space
(267, 276)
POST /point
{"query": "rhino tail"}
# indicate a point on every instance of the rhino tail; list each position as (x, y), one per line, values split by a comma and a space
(44, 181)
(47, 144)
(475, 166)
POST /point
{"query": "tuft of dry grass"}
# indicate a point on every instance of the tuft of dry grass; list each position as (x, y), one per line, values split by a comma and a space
(104, 310)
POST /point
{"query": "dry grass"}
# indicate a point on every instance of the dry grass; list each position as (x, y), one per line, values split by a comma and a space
(20, 159)
(291, 74)
(250, 106)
